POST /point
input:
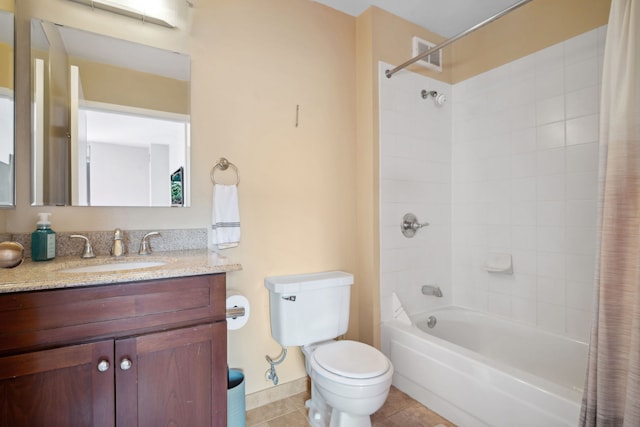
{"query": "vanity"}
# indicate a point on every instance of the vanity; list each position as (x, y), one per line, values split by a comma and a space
(140, 347)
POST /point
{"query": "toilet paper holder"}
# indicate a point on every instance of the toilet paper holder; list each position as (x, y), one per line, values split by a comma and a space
(234, 312)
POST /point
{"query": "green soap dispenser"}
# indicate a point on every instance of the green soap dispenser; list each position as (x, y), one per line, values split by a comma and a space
(43, 240)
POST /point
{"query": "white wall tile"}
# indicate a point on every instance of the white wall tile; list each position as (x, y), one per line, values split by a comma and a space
(512, 164)
(524, 189)
(583, 130)
(581, 47)
(551, 317)
(551, 264)
(550, 187)
(416, 170)
(524, 237)
(550, 239)
(580, 268)
(580, 295)
(582, 158)
(523, 213)
(523, 140)
(581, 74)
(582, 186)
(524, 262)
(579, 324)
(550, 213)
(550, 162)
(550, 135)
(525, 286)
(550, 110)
(581, 240)
(582, 213)
(501, 283)
(524, 310)
(549, 81)
(523, 165)
(583, 102)
(499, 304)
(551, 290)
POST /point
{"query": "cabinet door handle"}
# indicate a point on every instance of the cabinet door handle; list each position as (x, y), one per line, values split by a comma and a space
(103, 365)
(125, 364)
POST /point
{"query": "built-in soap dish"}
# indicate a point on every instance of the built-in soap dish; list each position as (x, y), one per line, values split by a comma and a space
(499, 263)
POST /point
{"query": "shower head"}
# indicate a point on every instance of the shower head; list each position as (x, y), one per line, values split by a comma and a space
(438, 98)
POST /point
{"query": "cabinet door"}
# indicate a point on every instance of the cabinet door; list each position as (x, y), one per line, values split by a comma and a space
(176, 377)
(65, 387)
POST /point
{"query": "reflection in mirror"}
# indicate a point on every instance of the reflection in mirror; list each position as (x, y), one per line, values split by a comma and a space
(110, 121)
(7, 147)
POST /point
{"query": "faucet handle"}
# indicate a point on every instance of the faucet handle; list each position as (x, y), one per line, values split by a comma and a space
(118, 247)
(88, 249)
(145, 247)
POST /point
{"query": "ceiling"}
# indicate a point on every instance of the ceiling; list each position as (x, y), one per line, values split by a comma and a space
(444, 17)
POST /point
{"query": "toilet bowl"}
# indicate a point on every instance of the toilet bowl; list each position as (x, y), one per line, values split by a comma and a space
(350, 381)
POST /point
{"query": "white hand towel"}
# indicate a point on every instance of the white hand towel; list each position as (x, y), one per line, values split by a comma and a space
(225, 216)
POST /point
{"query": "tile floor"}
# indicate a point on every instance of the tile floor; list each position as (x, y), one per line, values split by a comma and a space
(398, 410)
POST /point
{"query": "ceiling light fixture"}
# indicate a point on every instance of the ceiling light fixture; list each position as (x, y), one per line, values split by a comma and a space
(154, 11)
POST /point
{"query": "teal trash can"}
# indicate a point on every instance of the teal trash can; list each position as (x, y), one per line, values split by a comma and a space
(235, 399)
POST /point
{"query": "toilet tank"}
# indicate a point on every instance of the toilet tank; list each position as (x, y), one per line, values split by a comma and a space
(309, 308)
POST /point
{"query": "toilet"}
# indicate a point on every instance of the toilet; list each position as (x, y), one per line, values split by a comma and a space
(350, 380)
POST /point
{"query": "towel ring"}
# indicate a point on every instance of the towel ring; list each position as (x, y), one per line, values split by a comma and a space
(224, 164)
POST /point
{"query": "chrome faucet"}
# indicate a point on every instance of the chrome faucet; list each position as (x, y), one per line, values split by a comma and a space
(145, 247)
(118, 248)
(88, 249)
(432, 290)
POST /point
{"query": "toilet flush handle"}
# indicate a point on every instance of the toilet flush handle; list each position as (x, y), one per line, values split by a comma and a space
(291, 298)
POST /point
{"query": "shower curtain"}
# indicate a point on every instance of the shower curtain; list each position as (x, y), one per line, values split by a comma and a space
(612, 387)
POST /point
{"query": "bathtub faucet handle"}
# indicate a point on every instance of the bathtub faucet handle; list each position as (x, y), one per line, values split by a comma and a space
(432, 290)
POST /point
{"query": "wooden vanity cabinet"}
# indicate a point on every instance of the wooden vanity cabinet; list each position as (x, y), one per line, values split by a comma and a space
(135, 354)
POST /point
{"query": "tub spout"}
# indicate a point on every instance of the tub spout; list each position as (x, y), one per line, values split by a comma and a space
(432, 290)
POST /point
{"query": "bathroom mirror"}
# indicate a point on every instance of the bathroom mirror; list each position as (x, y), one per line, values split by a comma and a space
(7, 144)
(110, 121)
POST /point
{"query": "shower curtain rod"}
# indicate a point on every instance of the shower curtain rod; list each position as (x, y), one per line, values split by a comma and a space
(447, 42)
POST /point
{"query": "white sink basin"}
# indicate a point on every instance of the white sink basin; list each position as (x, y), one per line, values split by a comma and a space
(113, 266)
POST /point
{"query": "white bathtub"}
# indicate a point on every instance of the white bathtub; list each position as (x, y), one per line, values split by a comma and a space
(478, 370)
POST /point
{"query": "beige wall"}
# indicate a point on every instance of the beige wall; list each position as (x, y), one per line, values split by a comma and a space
(6, 66)
(7, 5)
(392, 38)
(367, 183)
(123, 86)
(530, 28)
(253, 62)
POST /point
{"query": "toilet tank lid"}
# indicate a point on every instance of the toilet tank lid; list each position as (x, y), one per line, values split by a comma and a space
(307, 282)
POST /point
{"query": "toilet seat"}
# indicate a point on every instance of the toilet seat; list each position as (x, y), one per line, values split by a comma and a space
(351, 359)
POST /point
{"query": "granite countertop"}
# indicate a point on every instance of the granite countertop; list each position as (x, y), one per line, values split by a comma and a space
(46, 275)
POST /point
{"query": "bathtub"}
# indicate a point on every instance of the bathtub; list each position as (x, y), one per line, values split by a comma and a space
(478, 370)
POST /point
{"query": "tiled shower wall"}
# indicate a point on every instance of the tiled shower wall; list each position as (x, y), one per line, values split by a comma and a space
(415, 177)
(508, 165)
(525, 150)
